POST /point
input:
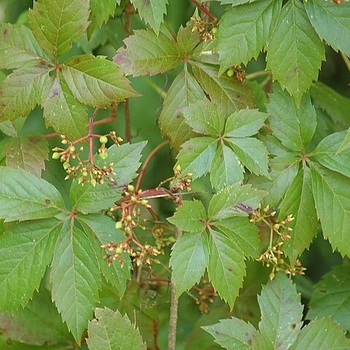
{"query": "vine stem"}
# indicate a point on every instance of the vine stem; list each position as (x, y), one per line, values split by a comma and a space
(205, 10)
(346, 60)
(174, 305)
(146, 162)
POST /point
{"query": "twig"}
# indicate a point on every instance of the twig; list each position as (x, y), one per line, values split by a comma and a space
(205, 10)
(346, 60)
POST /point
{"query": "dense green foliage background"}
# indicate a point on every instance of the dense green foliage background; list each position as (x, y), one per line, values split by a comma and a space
(250, 235)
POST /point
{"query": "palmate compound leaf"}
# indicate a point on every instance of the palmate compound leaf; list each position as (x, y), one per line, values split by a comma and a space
(93, 199)
(62, 110)
(183, 91)
(101, 230)
(25, 197)
(330, 297)
(96, 81)
(75, 279)
(151, 11)
(21, 92)
(321, 334)
(331, 22)
(294, 126)
(295, 51)
(244, 30)
(332, 199)
(56, 24)
(226, 266)
(189, 259)
(26, 250)
(299, 202)
(27, 152)
(147, 54)
(326, 153)
(18, 47)
(110, 330)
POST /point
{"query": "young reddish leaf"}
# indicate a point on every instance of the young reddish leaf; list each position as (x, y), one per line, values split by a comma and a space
(331, 22)
(21, 92)
(226, 268)
(62, 111)
(28, 152)
(183, 91)
(281, 312)
(190, 216)
(18, 47)
(321, 334)
(295, 51)
(196, 155)
(151, 11)
(101, 230)
(100, 11)
(299, 202)
(294, 126)
(25, 197)
(96, 81)
(225, 169)
(110, 330)
(75, 280)
(56, 24)
(244, 30)
(38, 323)
(26, 250)
(226, 92)
(189, 259)
(147, 54)
(332, 198)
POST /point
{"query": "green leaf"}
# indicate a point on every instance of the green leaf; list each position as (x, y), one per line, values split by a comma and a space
(242, 232)
(101, 230)
(96, 81)
(225, 168)
(100, 11)
(327, 154)
(203, 117)
(38, 323)
(187, 39)
(147, 54)
(295, 51)
(12, 128)
(196, 155)
(226, 267)
(246, 122)
(244, 30)
(26, 250)
(227, 93)
(183, 91)
(233, 334)
(62, 110)
(332, 200)
(18, 47)
(234, 200)
(189, 259)
(236, 2)
(331, 22)
(28, 152)
(190, 216)
(293, 126)
(330, 297)
(281, 312)
(299, 202)
(152, 12)
(252, 153)
(321, 334)
(110, 330)
(21, 92)
(75, 280)
(283, 171)
(56, 24)
(335, 104)
(25, 197)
